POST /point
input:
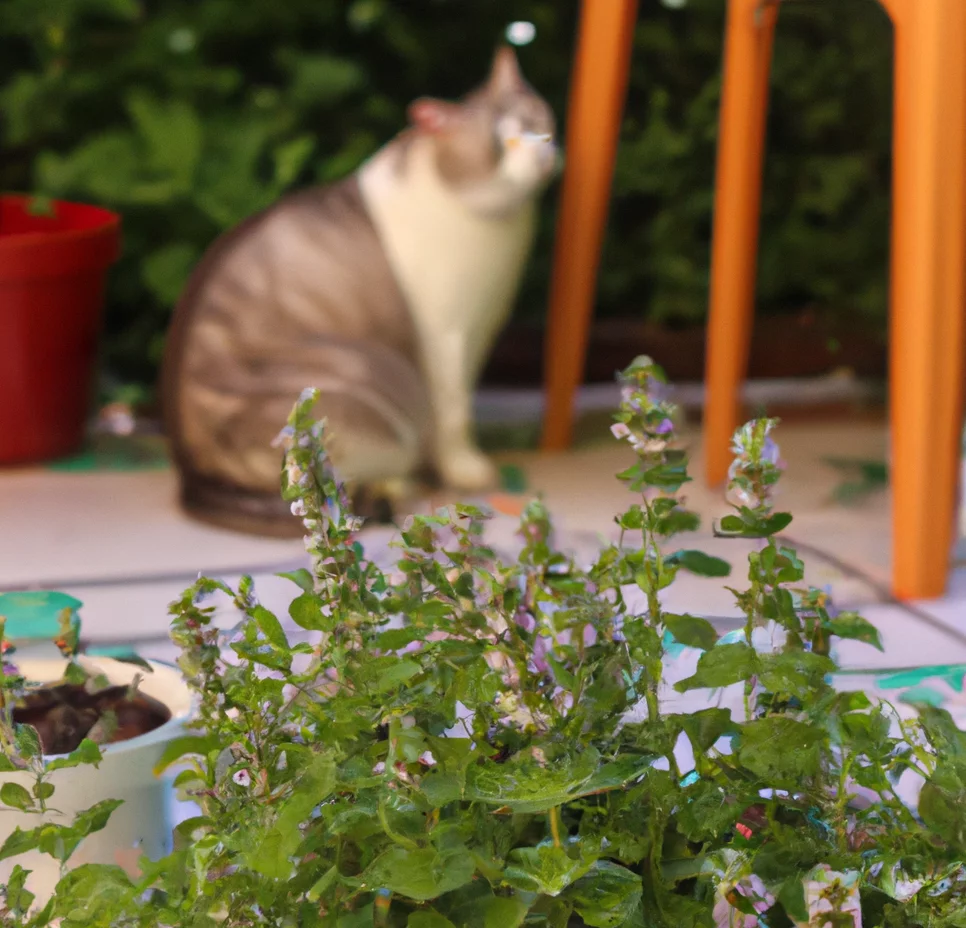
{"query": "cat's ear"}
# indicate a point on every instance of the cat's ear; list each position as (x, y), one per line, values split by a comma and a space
(430, 115)
(505, 76)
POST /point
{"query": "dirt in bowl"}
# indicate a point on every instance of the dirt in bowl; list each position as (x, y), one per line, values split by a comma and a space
(64, 714)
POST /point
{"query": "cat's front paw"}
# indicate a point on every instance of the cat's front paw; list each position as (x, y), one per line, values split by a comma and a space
(469, 470)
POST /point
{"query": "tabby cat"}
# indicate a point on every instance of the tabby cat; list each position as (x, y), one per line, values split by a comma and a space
(385, 290)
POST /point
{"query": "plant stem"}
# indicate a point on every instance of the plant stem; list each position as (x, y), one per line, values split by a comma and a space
(555, 826)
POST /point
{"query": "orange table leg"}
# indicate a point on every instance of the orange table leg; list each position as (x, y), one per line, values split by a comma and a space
(747, 64)
(928, 290)
(597, 94)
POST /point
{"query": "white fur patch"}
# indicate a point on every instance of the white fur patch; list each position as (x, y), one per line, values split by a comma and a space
(458, 268)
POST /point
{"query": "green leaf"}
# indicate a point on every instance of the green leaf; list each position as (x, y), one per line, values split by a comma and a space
(320, 79)
(306, 612)
(270, 859)
(43, 790)
(697, 562)
(6, 764)
(270, 627)
(795, 672)
(382, 674)
(427, 918)
(420, 873)
(290, 158)
(723, 665)
(942, 805)
(322, 885)
(792, 897)
(525, 786)
(95, 818)
(776, 522)
(87, 752)
(76, 674)
(691, 631)
(395, 638)
(18, 898)
(19, 842)
(172, 135)
(165, 271)
(189, 826)
(607, 896)
(780, 750)
(272, 856)
(16, 796)
(706, 726)
(441, 789)
(201, 745)
(545, 869)
(707, 813)
(852, 626)
(500, 912)
(301, 578)
(27, 741)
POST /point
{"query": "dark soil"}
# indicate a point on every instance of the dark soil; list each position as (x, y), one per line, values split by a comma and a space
(65, 714)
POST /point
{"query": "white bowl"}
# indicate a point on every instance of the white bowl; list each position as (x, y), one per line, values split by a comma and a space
(140, 825)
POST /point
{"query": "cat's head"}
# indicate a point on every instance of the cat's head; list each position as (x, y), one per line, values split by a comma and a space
(496, 147)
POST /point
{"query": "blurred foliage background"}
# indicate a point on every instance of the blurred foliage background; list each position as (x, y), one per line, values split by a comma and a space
(188, 115)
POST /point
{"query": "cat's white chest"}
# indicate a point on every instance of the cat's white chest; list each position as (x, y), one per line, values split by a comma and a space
(458, 270)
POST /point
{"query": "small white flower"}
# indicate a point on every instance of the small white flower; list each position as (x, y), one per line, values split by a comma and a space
(298, 508)
(620, 430)
(427, 759)
(379, 769)
(242, 778)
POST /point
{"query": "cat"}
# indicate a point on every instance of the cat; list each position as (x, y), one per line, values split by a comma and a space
(385, 290)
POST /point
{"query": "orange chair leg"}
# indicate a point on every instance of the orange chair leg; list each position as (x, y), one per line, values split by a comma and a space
(928, 291)
(747, 64)
(597, 94)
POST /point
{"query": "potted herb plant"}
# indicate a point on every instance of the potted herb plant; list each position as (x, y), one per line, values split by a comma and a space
(54, 258)
(90, 729)
(467, 742)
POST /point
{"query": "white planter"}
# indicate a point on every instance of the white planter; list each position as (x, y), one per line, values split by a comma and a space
(140, 825)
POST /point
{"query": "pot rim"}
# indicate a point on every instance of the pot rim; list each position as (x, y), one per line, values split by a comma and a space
(182, 709)
(109, 224)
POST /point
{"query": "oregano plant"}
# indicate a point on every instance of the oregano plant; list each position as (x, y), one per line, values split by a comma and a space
(468, 741)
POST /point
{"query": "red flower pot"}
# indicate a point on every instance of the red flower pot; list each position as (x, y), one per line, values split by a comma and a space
(52, 274)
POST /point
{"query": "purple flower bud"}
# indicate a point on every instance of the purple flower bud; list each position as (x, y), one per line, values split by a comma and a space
(525, 620)
(541, 648)
(770, 453)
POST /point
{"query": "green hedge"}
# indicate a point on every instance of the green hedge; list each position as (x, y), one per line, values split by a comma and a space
(187, 115)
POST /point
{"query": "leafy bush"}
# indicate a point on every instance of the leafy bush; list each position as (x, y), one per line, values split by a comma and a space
(188, 116)
(465, 742)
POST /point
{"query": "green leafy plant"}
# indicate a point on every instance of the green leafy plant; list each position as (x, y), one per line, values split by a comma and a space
(189, 116)
(467, 742)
